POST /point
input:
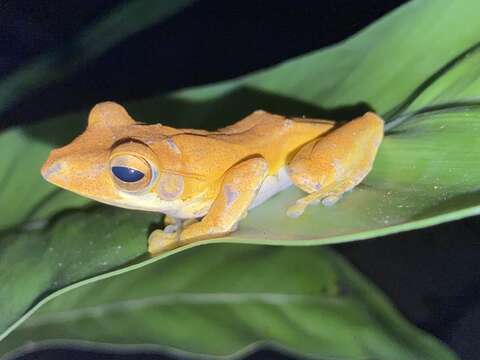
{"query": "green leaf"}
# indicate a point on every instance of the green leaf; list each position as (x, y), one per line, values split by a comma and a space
(458, 82)
(223, 300)
(426, 171)
(81, 244)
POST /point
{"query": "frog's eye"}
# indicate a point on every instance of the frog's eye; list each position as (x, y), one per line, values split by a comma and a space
(130, 172)
(127, 174)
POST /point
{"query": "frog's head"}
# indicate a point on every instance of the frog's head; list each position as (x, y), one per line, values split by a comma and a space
(111, 162)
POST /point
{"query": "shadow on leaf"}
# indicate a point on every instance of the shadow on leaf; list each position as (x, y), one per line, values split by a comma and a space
(209, 114)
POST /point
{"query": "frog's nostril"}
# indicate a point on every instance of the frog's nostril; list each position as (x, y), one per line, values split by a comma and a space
(51, 168)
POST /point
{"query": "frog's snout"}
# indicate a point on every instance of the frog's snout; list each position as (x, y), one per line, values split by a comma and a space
(85, 174)
(51, 168)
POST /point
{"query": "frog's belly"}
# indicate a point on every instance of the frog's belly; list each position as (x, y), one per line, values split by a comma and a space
(272, 185)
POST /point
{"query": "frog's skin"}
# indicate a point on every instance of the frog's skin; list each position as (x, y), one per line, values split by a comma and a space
(212, 176)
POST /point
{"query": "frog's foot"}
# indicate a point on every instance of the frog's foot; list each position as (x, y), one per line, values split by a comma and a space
(176, 225)
(324, 197)
(160, 241)
(168, 220)
(168, 238)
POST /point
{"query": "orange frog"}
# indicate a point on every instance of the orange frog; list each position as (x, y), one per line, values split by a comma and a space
(205, 182)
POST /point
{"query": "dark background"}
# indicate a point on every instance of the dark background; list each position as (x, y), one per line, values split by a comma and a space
(431, 275)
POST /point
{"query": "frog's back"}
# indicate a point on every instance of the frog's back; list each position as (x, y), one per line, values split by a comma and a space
(274, 137)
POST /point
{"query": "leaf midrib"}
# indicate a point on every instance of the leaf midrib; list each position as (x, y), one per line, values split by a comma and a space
(100, 310)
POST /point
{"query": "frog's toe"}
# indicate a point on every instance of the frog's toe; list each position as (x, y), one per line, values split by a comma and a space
(169, 229)
(179, 225)
(326, 199)
(296, 210)
(330, 200)
(168, 220)
(160, 241)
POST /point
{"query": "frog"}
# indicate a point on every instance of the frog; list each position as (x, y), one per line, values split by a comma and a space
(205, 182)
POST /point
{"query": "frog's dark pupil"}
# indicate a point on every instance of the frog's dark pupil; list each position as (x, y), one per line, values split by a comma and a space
(127, 174)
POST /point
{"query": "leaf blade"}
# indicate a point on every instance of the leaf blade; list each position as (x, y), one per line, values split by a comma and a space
(244, 305)
(274, 90)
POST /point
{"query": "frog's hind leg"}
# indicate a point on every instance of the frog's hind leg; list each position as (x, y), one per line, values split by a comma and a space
(336, 162)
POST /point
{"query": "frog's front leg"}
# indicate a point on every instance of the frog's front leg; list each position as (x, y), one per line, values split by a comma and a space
(336, 162)
(238, 189)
